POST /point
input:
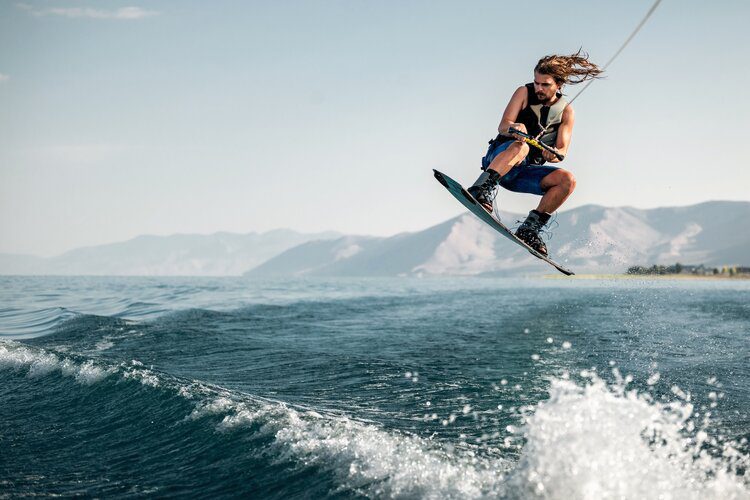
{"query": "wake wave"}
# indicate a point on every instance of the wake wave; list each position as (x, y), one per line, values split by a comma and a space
(588, 440)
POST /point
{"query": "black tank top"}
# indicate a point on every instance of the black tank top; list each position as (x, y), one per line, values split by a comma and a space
(536, 116)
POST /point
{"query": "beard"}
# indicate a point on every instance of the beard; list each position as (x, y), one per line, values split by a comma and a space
(542, 96)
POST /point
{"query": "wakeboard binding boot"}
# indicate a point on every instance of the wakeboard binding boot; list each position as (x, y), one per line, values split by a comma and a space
(483, 189)
(528, 231)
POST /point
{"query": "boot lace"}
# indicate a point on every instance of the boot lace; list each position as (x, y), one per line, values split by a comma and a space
(545, 234)
(495, 209)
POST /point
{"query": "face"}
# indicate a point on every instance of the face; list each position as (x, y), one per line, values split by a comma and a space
(545, 86)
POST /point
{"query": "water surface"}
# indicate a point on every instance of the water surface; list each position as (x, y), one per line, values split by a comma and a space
(413, 388)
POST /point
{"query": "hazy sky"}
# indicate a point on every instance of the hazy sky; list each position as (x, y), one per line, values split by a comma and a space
(161, 117)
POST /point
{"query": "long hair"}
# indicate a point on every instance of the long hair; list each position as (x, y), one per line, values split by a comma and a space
(572, 69)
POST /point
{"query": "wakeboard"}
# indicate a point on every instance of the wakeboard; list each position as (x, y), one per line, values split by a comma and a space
(474, 207)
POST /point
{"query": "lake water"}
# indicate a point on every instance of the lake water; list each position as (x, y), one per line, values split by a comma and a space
(407, 388)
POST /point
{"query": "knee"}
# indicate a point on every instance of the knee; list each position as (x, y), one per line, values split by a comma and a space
(568, 181)
(521, 149)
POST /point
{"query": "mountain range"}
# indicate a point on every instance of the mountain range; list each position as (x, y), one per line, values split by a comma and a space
(587, 239)
(218, 254)
(590, 238)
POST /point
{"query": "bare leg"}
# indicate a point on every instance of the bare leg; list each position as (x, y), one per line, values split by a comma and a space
(558, 186)
(506, 159)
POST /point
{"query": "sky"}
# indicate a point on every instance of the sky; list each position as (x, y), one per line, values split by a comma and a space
(125, 118)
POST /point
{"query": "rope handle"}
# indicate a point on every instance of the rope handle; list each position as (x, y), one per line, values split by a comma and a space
(535, 143)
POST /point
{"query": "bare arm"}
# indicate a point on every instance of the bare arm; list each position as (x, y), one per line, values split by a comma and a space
(564, 133)
(515, 105)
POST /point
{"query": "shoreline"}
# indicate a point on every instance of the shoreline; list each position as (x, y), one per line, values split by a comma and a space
(717, 277)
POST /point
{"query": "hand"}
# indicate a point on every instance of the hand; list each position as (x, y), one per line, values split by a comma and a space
(550, 157)
(518, 126)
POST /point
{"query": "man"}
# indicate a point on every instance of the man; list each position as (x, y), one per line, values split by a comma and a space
(537, 109)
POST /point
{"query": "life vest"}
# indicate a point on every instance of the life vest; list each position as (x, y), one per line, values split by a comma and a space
(536, 116)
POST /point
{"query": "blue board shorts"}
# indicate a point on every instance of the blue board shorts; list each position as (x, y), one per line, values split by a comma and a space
(525, 177)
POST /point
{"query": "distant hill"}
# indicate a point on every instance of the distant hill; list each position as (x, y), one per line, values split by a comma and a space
(358, 255)
(218, 254)
(587, 239)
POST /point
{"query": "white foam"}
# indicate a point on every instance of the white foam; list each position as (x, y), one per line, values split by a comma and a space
(40, 363)
(218, 405)
(89, 373)
(586, 441)
(381, 463)
(144, 375)
(15, 358)
(597, 441)
(43, 364)
(364, 457)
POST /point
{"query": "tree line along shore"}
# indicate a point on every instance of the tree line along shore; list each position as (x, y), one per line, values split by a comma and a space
(675, 271)
(690, 270)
